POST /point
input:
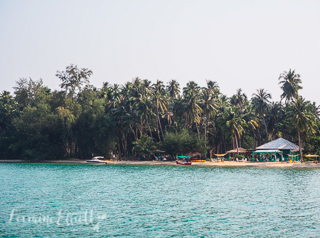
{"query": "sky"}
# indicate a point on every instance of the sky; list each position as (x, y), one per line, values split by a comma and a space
(239, 44)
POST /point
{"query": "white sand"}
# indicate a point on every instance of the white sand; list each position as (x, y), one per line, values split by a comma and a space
(217, 164)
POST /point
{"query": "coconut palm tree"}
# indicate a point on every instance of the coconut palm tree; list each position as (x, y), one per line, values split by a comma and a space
(290, 85)
(145, 146)
(193, 110)
(173, 88)
(139, 105)
(213, 85)
(260, 102)
(235, 122)
(276, 115)
(304, 119)
(251, 119)
(208, 105)
(239, 99)
(160, 102)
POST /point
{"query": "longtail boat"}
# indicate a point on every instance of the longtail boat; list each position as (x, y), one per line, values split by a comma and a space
(183, 163)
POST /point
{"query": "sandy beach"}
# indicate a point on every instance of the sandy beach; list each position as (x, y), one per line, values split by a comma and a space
(200, 164)
(225, 164)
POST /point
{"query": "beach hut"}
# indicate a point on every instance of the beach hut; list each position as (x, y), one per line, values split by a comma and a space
(279, 148)
(234, 151)
(220, 157)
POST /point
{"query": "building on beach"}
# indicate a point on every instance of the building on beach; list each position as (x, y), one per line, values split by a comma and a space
(277, 150)
(240, 150)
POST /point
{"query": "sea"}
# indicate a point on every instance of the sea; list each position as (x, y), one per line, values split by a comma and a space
(63, 200)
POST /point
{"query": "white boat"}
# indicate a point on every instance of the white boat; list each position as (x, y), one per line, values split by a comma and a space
(97, 160)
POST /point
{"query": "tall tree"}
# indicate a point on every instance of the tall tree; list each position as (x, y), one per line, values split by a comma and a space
(73, 78)
(8, 110)
(193, 110)
(213, 85)
(160, 102)
(303, 118)
(173, 88)
(208, 105)
(235, 122)
(260, 101)
(290, 84)
(239, 99)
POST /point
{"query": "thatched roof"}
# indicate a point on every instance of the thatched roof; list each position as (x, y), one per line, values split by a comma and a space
(279, 144)
(241, 150)
(312, 156)
(219, 155)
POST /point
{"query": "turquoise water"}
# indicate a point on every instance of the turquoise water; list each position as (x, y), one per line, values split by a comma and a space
(44, 200)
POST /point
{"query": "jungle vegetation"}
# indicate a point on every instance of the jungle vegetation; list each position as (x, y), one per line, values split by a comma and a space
(145, 118)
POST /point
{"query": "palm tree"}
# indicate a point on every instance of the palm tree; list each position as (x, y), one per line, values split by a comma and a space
(290, 85)
(213, 85)
(303, 118)
(251, 121)
(160, 102)
(173, 88)
(193, 110)
(208, 106)
(145, 146)
(239, 99)
(138, 104)
(276, 116)
(218, 130)
(260, 101)
(235, 122)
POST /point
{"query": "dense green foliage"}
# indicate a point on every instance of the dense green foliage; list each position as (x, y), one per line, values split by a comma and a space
(141, 118)
(175, 143)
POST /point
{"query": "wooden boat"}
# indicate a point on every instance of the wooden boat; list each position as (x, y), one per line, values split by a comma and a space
(198, 160)
(96, 160)
(183, 163)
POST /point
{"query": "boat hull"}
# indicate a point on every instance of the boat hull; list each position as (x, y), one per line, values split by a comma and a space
(183, 163)
(198, 160)
(96, 162)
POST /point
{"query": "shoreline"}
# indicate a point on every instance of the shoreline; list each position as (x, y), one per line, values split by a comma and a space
(199, 164)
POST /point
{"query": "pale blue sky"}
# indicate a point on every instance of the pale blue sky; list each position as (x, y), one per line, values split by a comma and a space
(240, 44)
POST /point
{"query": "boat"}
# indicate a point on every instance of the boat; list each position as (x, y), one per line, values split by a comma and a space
(198, 160)
(96, 160)
(185, 160)
(183, 163)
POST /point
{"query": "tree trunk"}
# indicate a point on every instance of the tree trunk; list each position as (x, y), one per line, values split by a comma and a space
(197, 129)
(125, 143)
(149, 128)
(300, 149)
(236, 137)
(205, 133)
(134, 134)
(159, 122)
(265, 125)
(158, 132)
(119, 147)
(233, 143)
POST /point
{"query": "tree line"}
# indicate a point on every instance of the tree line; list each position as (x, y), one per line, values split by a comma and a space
(141, 118)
